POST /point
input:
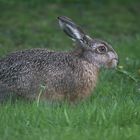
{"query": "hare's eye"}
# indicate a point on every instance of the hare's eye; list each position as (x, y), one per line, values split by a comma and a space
(101, 49)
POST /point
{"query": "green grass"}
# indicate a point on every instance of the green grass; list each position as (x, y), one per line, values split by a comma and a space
(113, 111)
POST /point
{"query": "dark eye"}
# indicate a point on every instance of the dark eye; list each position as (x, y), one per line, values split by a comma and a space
(101, 49)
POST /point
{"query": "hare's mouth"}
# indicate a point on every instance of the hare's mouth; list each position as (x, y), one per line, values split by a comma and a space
(113, 63)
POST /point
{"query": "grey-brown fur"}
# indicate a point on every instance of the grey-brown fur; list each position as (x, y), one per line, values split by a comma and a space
(65, 75)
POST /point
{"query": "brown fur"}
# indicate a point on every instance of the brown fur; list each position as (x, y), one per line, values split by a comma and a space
(56, 76)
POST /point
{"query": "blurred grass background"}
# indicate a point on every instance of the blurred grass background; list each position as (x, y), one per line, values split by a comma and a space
(113, 112)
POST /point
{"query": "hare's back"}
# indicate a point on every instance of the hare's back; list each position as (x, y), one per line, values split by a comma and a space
(37, 61)
(21, 56)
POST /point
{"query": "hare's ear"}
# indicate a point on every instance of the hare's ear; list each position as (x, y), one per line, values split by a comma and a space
(71, 29)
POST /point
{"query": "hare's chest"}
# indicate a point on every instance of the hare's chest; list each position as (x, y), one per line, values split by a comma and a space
(89, 74)
(87, 80)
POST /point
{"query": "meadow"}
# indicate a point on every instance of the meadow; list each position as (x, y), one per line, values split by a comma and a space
(113, 110)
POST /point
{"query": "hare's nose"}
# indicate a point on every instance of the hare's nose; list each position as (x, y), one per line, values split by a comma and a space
(118, 62)
(114, 62)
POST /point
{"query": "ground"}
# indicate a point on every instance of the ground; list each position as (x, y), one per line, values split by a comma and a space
(113, 111)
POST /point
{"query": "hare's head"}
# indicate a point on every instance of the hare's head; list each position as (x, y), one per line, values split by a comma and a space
(95, 51)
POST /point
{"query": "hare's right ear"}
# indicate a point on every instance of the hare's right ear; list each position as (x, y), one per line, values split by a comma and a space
(71, 29)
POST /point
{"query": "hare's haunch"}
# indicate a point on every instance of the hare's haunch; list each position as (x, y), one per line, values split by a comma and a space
(57, 76)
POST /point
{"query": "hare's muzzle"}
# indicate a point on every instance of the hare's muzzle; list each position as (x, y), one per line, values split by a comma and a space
(113, 63)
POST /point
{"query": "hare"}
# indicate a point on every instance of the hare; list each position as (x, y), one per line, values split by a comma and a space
(67, 76)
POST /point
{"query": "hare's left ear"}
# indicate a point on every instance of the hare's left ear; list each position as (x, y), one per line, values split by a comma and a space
(72, 30)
